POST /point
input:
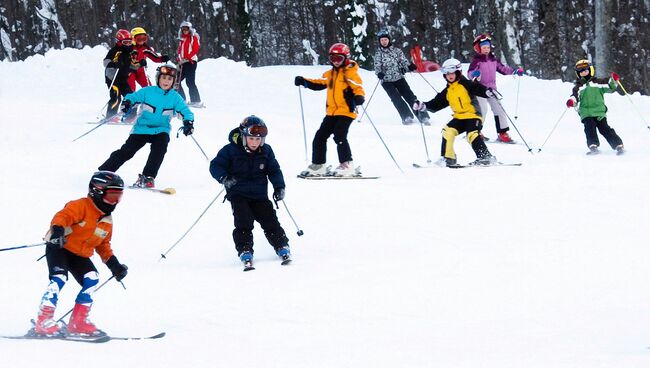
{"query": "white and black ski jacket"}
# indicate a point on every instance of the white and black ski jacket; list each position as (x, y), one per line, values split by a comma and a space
(392, 62)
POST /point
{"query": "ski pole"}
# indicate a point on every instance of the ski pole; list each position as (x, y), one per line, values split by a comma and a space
(304, 129)
(164, 255)
(91, 130)
(430, 85)
(382, 140)
(517, 104)
(513, 125)
(632, 102)
(299, 232)
(368, 103)
(424, 139)
(552, 130)
(98, 287)
(22, 246)
(198, 145)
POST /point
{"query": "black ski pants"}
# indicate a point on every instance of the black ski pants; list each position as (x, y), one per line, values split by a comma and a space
(592, 123)
(132, 145)
(246, 212)
(60, 261)
(402, 98)
(337, 125)
(188, 73)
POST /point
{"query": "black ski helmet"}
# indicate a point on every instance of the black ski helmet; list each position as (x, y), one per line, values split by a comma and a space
(252, 126)
(105, 188)
(383, 33)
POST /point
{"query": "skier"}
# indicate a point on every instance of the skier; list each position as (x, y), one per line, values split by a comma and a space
(142, 51)
(390, 66)
(460, 94)
(588, 97)
(344, 94)
(82, 227)
(117, 64)
(153, 126)
(243, 166)
(483, 68)
(188, 50)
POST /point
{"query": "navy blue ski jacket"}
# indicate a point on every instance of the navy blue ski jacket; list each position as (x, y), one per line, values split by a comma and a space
(250, 169)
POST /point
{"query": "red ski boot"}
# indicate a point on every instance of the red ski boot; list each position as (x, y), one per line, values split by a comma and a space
(79, 323)
(504, 138)
(45, 323)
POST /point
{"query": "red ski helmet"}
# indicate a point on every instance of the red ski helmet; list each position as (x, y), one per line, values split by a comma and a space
(123, 37)
(485, 37)
(339, 53)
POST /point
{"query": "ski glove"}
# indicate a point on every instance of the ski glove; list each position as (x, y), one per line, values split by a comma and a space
(188, 127)
(491, 93)
(143, 62)
(571, 102)
(164, 58)
(402, 70)
(519, 71)
(118, 269)
(381, 75)
(299, 81)
(412, 67)
(57, 237)
(419, 106)
(278, 194)
(475, 74)
(359, 100)
(228, 182)
(126, 106)
(615, 77)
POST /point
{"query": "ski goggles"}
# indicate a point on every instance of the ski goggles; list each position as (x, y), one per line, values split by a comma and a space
(336, 58)
(127, 42)
(255, 131)
(582, 65)
(141, 38)
(484, 38)
(167, 71)
(113, 196)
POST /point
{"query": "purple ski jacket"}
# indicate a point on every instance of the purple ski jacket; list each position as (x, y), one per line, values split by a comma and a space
(488, 65)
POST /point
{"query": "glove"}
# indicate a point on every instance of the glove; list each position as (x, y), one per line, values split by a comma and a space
(278, 194)
(419, 106)
(57, 237)
(117, 269)
(615, 77)
(299, 81)
(381, 75)
(402, 70)
(143, 62)
(164, 58)
(490, 93)
(475, 74)
(571, 102)
(188, 127)
(359, 100)
(412, 67)
(126, 106)
(519, 71)
(228, 182)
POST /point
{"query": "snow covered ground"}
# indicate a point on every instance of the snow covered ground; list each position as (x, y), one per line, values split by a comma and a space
(544, 265)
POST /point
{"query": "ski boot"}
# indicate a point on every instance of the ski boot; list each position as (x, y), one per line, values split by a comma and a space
(284, 253)
(620, 150)
(425, 121)
(488, 160)
(504, 138)
(593, 150)
(247, 259)
(446, 162)
(345, 169)
(45, 323)
(144, 182)
(79, 323)
(407, 121)
(315, 170)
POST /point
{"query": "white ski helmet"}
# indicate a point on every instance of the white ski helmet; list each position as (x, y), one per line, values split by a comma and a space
(450, 66)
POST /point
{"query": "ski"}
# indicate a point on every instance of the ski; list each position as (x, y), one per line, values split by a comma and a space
(332, 177)
(248, 266)
(426, 166)
(286, 259)
(458, 166)
(196, 105)
(157, 336)
(62, 337)
(156, 190)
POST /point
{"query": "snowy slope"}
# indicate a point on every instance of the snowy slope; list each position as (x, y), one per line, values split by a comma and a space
(544, 265)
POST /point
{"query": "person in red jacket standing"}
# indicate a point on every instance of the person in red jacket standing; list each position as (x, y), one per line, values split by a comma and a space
(188, 50)
(142, 51)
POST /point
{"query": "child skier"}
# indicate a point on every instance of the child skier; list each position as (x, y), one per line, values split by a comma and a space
(483, 68)
(142, 51)
(158, 105)
(588, 97)
(344, 94)
(82, 227)
(188, 50)
(243, 166)
(117, 64)
(460, 94)
(390, 67)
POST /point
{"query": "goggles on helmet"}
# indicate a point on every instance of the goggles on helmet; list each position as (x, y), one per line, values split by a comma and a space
(483, 38)
(167, 71)
(582, 65)
(112, 196)
(255, 131)
(336, 58)
(141, 38)
(127, 42)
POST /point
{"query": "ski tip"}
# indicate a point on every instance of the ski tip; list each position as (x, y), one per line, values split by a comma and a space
(169, 190)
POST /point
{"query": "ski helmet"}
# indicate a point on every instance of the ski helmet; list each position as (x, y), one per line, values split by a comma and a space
(139, 31)
(450, 66)
(252, 126)
(123, 37)
(105, 188)
(339, 53)
(582, 65)
(166, 69)
(481, 39)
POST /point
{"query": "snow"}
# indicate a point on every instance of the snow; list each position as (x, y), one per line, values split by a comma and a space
(544, 265)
